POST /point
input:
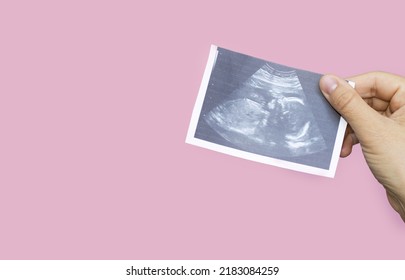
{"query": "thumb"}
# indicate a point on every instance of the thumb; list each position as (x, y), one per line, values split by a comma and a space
(348, 103)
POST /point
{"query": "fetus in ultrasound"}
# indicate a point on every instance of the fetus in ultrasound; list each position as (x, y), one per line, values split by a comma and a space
(268, 115)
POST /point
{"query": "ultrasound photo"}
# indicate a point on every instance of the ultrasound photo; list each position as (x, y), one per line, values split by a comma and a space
(267, 112)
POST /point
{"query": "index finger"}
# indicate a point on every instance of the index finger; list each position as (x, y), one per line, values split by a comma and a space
(379, 85)
(383, 91)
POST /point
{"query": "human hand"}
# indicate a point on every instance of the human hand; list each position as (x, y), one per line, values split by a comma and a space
(375, 112)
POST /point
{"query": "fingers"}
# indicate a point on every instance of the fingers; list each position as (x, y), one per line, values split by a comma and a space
(349, 104)
(384, 92)
(346, 147)
(378, 84)
(349, 141)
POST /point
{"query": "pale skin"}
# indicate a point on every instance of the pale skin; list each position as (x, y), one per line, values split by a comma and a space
(375, 112)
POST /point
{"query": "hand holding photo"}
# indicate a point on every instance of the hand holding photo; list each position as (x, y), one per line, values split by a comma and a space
(266, 112)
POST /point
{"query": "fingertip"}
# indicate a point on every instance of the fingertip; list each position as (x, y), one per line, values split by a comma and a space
(347, 146)
(345, 152)
(328, 84)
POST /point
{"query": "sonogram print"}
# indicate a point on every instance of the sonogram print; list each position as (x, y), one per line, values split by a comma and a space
(268, 114)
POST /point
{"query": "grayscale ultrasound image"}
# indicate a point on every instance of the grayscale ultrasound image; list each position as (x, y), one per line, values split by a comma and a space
(268, 109)
(269, 114)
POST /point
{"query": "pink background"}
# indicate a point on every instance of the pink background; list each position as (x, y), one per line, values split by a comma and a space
(95, 102)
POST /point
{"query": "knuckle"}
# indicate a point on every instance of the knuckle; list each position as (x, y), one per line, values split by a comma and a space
(343, 98)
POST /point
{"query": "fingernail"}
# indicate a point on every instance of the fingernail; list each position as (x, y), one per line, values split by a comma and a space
(328, 84)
